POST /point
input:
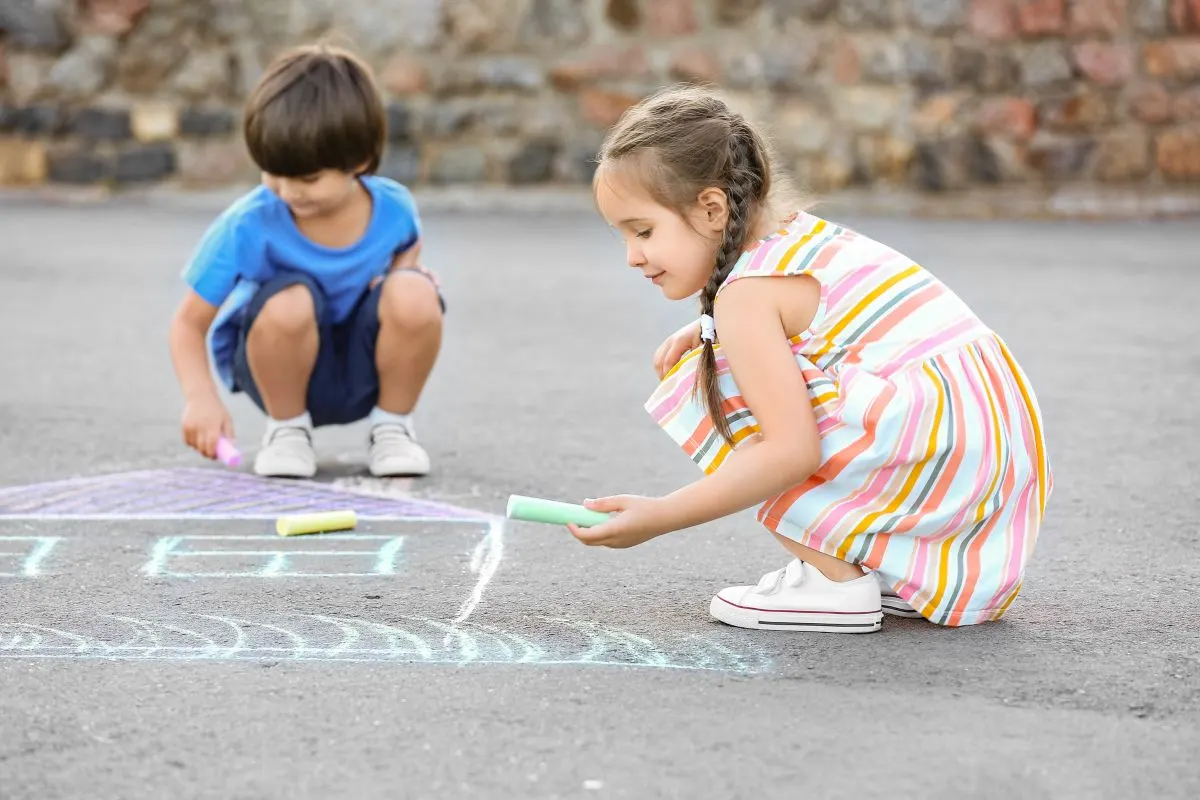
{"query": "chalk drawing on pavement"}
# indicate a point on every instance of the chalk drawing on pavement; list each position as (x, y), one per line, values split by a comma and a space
(485, 560)
(362, 555)
(230, 556)
(22, 556)
(400, 639)
(195, 493)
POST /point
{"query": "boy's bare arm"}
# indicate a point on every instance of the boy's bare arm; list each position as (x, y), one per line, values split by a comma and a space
(189, 328)
(409, 258)
(205, 418)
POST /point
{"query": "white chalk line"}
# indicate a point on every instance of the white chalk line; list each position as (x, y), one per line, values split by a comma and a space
(366, 640)
(484, 562)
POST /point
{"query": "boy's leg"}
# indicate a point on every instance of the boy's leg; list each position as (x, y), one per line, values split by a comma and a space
(410, 336)
(281, 349)
(274, 365)
(398, 332)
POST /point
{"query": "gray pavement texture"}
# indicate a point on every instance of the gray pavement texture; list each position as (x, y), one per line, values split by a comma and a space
(581, 672)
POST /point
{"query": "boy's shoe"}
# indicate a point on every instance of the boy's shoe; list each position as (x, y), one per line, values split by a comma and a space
(287, 452)
(799, 598)
(395, 452)
(893, 603)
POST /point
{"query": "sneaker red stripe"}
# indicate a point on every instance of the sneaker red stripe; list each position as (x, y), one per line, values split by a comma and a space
(794, 610)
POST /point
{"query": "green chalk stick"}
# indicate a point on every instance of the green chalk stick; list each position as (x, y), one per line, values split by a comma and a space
(533, 509)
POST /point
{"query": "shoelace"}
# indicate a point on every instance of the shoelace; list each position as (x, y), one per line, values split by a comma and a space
(791, 575)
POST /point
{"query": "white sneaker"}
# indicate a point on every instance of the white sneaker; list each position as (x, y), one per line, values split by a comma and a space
(893, 603)
(394, 451)
(799, 598)
(287, 452)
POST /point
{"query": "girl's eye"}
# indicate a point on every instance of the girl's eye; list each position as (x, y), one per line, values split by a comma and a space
(643, 234)
(310, 179)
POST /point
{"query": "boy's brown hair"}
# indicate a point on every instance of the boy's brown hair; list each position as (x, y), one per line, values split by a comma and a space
(317, 107)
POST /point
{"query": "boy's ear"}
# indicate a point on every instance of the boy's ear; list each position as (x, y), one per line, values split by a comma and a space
(714, 209)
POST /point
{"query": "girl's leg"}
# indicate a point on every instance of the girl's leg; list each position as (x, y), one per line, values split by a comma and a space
(831, 567)
(816, 592)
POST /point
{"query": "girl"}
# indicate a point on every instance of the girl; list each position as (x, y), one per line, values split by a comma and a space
(880, 426)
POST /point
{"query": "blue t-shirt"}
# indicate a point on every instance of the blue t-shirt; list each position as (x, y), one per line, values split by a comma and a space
(256, 238)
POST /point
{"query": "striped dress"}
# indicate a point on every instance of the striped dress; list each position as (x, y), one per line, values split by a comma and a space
(934, 470)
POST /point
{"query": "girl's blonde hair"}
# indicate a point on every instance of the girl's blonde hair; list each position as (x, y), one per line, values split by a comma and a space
(679, 142)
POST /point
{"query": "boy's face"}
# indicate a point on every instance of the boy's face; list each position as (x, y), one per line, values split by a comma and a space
(676, 253)
(313, 195)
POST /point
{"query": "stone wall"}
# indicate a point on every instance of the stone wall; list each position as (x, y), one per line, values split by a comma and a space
(933, 95)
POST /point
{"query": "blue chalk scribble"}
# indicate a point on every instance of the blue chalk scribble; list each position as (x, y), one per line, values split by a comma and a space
(405, 639)
(251, 557)
(28, 563)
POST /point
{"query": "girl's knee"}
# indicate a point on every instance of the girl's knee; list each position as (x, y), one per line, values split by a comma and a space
(288, 311)
(410, 301)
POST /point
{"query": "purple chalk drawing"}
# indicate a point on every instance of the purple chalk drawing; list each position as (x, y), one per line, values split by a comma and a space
(190, 493)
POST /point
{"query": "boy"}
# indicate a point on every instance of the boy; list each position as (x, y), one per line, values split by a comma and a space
(308, 289)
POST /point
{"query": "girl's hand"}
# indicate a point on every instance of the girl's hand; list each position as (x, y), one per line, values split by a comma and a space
(638, 519)
(675, 347)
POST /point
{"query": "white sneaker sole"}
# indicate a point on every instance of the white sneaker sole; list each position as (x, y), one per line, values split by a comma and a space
(269, 472)
(896, 607)
(398, 470)
(795, 620)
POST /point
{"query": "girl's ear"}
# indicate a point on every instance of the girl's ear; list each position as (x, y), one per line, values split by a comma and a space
(713, 209)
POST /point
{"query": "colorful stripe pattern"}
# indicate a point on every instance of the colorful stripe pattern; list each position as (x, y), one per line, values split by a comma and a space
(934, 469)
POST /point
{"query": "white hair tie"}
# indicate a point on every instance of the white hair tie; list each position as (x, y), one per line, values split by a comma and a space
(708, 328)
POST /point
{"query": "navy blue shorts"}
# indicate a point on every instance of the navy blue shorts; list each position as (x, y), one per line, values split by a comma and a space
(344, 386)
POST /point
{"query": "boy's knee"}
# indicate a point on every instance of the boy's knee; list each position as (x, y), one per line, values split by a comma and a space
(409, 301)
(290, 311)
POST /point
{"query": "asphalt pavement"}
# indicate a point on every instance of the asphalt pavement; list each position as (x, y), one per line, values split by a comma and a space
(157, 640)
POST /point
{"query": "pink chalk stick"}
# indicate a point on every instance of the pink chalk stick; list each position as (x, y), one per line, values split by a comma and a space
(227, 454)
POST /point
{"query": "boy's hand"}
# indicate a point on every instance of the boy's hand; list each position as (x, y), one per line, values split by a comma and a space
(204, 422)
(637, 520)
(675, 347)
